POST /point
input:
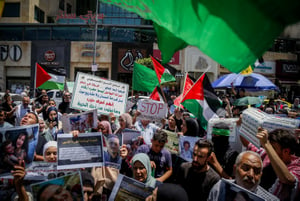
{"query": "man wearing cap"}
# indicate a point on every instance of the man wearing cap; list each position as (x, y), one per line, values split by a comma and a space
(223, 157)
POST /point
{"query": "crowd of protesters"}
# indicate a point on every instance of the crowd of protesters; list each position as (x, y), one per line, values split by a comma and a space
(271, 171)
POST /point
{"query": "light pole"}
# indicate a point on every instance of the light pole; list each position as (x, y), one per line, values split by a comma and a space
(94, 66)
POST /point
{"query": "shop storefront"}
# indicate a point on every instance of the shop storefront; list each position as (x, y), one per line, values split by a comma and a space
(288, 76)
(123, 57)
(15, 65)
(82, 54)
(53, 56)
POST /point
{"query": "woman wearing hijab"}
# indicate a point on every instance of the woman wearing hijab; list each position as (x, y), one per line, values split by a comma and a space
(104, 127)
(125, 121)
(50, 151)
(168, 192)
(190, 127)
(141, 168)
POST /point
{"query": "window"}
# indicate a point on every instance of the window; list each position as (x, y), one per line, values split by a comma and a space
(69, 8)
(11, 10)
(39, 15)
(61, 4)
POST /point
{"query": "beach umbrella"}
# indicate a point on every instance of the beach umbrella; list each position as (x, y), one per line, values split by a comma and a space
(248, 100)
(252, 82)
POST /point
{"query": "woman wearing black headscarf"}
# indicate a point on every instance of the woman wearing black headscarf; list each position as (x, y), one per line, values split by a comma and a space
(190, 127)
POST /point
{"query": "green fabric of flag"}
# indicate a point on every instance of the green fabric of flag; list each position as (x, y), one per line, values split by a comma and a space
(56, 82)
(143, 78)
(232, 32)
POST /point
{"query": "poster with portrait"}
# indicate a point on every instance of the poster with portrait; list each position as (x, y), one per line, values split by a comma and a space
(127, 188)
(92, 92)
(68, 187)
(173, 142)
(112, 156)
(83, 122)
(80, 152)
(17, 144)
(129, 136)
(186, 147)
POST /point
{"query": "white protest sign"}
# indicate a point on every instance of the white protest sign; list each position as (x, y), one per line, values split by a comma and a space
(253, 118)
(152, 110)
(92, 92)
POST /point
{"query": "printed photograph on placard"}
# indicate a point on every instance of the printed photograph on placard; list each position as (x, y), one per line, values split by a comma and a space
(186, 146)
(68, 187)
(127, 188)
(18, 144)
(112, 156)
(82, 122)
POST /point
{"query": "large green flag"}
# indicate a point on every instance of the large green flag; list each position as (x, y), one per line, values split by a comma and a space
(143, 78)
(232, 32)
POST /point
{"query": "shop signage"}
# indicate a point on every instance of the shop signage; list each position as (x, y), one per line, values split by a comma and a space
(174, 60)
(49, 55)
(287, 70)
(14, 52)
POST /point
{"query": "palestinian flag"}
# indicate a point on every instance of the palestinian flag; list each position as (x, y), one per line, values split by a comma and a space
(44, 80)
(162, 73)
(188, 83)
(202, 101)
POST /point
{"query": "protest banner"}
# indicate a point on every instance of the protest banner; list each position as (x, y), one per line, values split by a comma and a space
(92, 92)
(83, 122)
(173, 142)
(127, 188)
(253, 118)
(152, 110)
(18, 143)
(186, 146)
(230, 191)
(230, 122)
(68, 187)
(82, 151)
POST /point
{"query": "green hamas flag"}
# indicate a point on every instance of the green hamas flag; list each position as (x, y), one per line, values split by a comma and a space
(143, 78)
(232, 32)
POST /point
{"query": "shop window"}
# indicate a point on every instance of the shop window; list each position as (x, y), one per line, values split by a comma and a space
(11, 10)
(62, 4)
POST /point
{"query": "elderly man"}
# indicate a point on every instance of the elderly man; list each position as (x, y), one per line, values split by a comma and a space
(248, 171)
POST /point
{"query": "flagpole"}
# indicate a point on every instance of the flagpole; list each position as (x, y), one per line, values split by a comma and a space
(185, 77)
(35, 69)
(162, 91)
